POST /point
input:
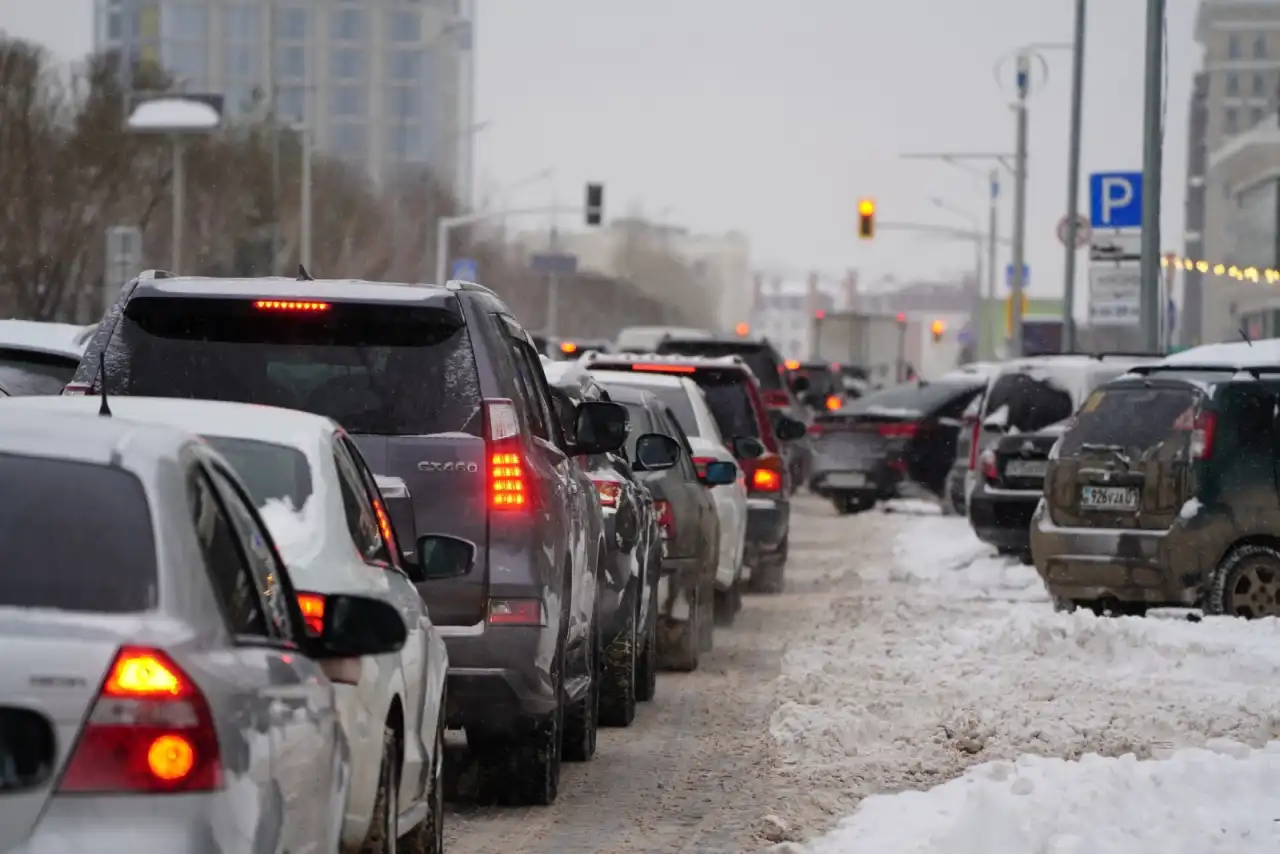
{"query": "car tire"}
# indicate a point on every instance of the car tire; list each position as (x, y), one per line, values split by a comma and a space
(428, 836)
(1246, 564)
(768, 576)
(647, 666)
(621, 672)
(727, 605)
(530, 765)
(381, 838)
(678, 641)
(582, 719)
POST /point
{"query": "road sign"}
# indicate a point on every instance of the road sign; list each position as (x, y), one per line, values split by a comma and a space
(1116, 246)
(1083, 231)
(554, 264)
(1008, 311)
(1026, 276)
(1114, 291)
(1115, 199)
(465, 269)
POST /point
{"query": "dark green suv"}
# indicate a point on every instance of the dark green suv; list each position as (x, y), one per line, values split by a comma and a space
(1163, 490)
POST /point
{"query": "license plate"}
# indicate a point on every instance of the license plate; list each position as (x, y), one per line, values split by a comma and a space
(847, 481)
(1026, 468)
(1108, 498)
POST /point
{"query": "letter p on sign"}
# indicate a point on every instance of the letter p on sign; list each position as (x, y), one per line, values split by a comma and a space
(1115, 199)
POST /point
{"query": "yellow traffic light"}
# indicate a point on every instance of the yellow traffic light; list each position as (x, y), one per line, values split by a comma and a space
(938, 328)
(866, 219)
(743, 329)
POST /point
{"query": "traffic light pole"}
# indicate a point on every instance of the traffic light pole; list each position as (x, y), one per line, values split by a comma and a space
(1020, 204)
(446, 224)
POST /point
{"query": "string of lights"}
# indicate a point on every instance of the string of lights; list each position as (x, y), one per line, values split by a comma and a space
(1244, 274)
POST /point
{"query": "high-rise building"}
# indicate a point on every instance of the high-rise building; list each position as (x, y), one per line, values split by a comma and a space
(385, 84)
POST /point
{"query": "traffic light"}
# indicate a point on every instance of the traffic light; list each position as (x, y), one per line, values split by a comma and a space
(743, 329)
(902, 317)
(595, 203)
(937, 329)
(866, 219)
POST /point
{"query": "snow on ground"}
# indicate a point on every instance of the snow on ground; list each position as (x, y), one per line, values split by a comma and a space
(937, 656)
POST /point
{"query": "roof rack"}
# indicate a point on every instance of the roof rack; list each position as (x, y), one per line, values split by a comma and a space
(464, 285)
(1256, 371)
(155, 274)
(1106, 354)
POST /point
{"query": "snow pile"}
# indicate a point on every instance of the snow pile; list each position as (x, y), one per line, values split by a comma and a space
(945, 559)
(1213, 801)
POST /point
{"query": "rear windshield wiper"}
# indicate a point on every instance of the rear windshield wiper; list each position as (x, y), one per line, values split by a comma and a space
(1116, 451)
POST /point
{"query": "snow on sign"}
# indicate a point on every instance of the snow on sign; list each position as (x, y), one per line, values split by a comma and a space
(1114, 295)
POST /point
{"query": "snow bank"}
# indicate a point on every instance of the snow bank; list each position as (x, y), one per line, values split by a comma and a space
(944, 559)
(1215, 801)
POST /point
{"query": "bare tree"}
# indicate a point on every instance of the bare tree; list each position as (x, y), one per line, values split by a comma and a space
(645, 258)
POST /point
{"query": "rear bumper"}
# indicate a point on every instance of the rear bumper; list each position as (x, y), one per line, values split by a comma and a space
(499, 676)
(1002, 517)
(880, 483)
(768, 521)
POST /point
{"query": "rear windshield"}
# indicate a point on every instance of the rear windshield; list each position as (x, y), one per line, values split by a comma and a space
(757, 357)
(381, 369)
(822, 380)
(674, 398)
(267, 469)
(1135, 421)
(730, 403)
(1027, 402)
(75, 537)
(23, 372)
(908, 399)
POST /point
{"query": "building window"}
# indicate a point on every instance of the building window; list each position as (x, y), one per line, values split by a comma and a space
(406, 142)
(1233, 84)
(1233, 46)
(291, 104)
(347, 101)
(243, 23)
(291, 61)
(243, 61)
(347, 24)
(186, 21)
(1232, 124)
(404, 26)
(115, 24)
(1259, 86)
(348, 63)
(406, 65)
(1255, 117)
(1259, 47)
(350, 139)
(291, 24)
(188, 62)
(404, 102)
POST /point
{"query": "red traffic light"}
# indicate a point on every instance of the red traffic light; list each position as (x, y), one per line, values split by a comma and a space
(902, 318)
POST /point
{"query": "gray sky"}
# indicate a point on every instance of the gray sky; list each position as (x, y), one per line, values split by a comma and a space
(748, 114)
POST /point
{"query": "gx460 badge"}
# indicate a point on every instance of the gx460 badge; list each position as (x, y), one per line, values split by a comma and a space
(429, 465)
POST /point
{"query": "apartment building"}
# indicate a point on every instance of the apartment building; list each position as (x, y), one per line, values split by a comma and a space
(384, 84)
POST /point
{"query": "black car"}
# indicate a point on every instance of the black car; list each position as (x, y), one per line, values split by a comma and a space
(439, 386)
(628, 586)
(871, 449)
(690, 526)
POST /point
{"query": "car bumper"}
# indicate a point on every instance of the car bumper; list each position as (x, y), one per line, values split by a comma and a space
(1002, 517)
(499, 676)
(878, 484)
(768, 521)
(1157, 567)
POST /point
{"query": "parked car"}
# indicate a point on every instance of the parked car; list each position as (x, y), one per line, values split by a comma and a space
(958, 481)
(890, 442)
(1162, 491)
(327, 517)
(1023, 415)
(643, 339)
(38, 357)
(168, 691)
(628, 586)
(686, 404)
(756, 439)
(441, 387)
(662, 459)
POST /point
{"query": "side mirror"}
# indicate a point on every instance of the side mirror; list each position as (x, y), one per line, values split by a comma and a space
(356, 626)
(719, 473)
(748, 448)
(600, 427)
(442, 556)
(789, 429)
(799, 384)
(399, 506)
(656, 452)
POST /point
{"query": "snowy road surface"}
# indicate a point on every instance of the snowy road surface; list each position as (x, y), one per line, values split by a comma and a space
(901, 656)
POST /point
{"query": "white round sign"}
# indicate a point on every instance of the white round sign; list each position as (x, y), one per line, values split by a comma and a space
(1083, 231)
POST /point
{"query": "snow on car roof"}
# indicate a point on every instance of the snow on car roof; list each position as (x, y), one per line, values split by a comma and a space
(1264, 353)
(59, 339)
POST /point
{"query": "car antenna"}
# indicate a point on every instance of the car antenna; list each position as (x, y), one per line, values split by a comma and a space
(1244, 333)
(103, 407)
(303, 275)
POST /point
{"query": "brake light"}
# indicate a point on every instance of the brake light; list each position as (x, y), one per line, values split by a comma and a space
(149, 731)
(77, 389)
(899, 429)
(666, 519)
(289, 305)
(833, 402)
(312, 607)
(665, 369)
(765, 473)
(516, 612)
(815, 429)
(776, 399)
(988, 460)
(973, 445)
(700, 464)
(384, 524)
(609, 491)
(507, 490)
(1203, 429)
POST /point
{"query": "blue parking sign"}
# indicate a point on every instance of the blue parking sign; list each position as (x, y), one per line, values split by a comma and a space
(464, 269)
(1115, 199)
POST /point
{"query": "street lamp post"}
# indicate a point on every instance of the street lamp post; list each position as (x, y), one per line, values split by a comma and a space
(306, 226)
(429, 208)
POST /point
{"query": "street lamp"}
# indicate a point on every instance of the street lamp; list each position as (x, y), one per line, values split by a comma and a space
(178, 117)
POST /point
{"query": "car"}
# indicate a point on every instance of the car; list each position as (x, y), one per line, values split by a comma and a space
(439, 386)
(687, 405)
(756, 439)
(1162, 490)
(823, 384)
(326, 516)
(1022, 416)
(643, 339)
(38, 357)
(158, 671)
(662, 459)
(957, 492)
(628, 586)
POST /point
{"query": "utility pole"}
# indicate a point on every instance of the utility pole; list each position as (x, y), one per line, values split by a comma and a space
(1073, 182)
(553, 285)
(1023, 81)
(1152, 163)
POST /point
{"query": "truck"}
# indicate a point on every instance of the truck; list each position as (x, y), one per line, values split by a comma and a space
(875, 342)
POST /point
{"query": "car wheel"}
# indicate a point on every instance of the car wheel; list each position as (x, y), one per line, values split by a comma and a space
(428, 836)
(647, 678)
(1246, 584)
(381, 838)
(678, 639)
(530, 765)
(621, 660)
(582, 719)
(767, 577)
(727, 605)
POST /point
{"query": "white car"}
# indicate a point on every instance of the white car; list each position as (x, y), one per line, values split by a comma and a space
(37, 357)
(688, 405)
(327, 516)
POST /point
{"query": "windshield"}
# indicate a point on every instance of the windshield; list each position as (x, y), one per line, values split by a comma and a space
(392, 370)
(23, 372)
(1132, 420)
(1026, 401)
(269, 471)
(906, 400)
(757, 356)
(75, 537)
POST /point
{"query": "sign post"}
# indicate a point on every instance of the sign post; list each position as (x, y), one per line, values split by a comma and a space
(1115, 249)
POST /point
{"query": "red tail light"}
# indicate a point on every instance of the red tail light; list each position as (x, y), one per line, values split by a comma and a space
(899, 430)
(700, 463)
(516, 612)
(833, 402)
(609, 491)
(312, 607)
(666, 519)
(765, 474)
(77, 389)
(384, 524)
(815, 429)
(149, 731)
(664, 369)
(507, 482)
(289, 305)
(988, 461)
(1203, 426)
(776, 399)
(973, 445)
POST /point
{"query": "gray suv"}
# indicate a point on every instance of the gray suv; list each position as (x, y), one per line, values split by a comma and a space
(442, 388)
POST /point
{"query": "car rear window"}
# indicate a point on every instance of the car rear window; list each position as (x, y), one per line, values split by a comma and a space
(377, 369)
(730, 403)
(759, 358)
(1030, 401)
(674, 398)
(822, 380)
(268, 470)
(908, 399)
(23, 372)
(1133, 420)
(74, 537)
